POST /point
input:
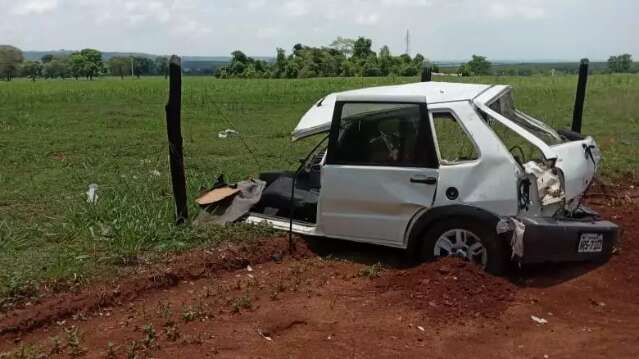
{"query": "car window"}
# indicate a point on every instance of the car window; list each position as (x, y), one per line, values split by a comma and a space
(522, 150)
(385, 134)
(453, 142)
(504, 106)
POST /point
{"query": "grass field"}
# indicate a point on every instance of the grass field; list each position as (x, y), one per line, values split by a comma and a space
(57, 137)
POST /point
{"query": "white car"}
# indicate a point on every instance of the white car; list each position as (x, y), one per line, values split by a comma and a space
(441, 169)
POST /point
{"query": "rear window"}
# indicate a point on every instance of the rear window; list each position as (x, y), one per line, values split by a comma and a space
(504, 106)
(452, 140)
(522, 150)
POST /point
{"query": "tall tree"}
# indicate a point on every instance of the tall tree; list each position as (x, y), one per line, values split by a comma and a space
(10, 58)
(93, 65)
(31, 69)
(58, 67)
(280, 64)
(162, 66)
(46, 58)
(343, 45)
(620, 63)
(143, 66)
(119, 66)
(78, 65)
(239, 56)
(362, 48)
(479, 65)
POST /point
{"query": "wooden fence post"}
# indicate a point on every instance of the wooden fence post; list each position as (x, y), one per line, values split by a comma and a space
(174, 131)
(577, 114)
(427, 74)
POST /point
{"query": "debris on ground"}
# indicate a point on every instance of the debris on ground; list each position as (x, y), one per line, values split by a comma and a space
(538, 320)
(92, 193)
(226, 133)
(227, 204)
(216, 195)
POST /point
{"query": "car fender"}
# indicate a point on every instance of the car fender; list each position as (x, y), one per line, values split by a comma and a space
(426, 217)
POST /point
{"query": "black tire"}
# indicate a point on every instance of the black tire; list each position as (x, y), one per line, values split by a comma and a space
(496, 251)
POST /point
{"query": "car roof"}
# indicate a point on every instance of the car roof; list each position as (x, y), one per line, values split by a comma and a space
(319, 117)
(433, 92)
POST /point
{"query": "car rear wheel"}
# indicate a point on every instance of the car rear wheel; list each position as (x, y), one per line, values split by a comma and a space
(466, 239)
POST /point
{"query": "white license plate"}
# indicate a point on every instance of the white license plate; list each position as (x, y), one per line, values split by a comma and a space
(590, 243)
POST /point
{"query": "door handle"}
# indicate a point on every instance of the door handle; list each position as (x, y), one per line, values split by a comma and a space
(424, 180)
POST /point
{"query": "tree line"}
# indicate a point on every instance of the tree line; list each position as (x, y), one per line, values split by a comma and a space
(87, 63)
(343, 57)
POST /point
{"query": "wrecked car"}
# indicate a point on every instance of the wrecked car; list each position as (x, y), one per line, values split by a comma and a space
(441, 169)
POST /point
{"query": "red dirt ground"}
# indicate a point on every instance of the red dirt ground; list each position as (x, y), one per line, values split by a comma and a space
(209, 304)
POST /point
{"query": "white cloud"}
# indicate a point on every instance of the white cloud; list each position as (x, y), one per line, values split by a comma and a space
(296, 8)
(528, 10)
(138, 11)
(406, 3)
(367, 19)
(268, 32)
(30, 7)
(256, 4)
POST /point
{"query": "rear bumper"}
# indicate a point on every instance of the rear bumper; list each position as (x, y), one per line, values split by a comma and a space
(555, 240)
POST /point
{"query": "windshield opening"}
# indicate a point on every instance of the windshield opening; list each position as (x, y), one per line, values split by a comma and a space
(504, 105)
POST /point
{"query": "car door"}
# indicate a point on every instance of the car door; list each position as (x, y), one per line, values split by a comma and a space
(381, 169)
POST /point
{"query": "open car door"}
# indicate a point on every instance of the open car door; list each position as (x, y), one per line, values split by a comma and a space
(381, 169)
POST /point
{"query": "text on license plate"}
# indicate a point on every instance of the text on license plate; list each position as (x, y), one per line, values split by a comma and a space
(590, 243)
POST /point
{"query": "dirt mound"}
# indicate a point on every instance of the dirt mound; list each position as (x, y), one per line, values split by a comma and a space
(189, 266)
(448, 290)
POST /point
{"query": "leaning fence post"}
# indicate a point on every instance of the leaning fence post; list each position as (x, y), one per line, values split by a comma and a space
(577, 114)
(174, 131)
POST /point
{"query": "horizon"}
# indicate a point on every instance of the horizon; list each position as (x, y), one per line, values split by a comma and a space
(434, 60)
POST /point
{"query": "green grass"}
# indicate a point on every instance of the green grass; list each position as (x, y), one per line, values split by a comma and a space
(57, 137)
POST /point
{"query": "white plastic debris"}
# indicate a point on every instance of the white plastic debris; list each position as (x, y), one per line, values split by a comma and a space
(538, 320)
(421, 328)
(92, 195)
(517, 241)
(264, 335)
(226, 133)
(249, 268)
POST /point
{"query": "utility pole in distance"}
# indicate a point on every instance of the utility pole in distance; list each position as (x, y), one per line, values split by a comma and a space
(174, 131)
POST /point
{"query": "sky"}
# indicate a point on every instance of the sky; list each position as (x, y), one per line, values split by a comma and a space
(439, 29)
